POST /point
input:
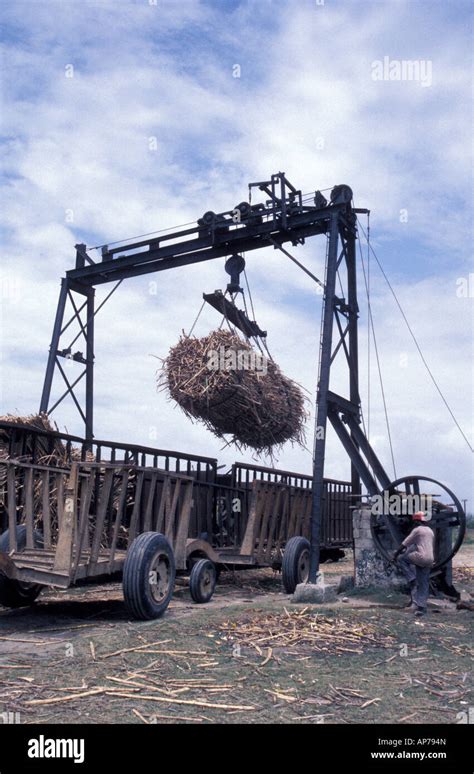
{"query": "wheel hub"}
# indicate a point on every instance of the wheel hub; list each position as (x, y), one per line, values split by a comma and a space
(160, 577)
(303, 567)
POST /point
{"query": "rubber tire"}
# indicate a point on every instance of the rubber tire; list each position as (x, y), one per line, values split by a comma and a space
(195, 581)
(290, 569)
(139, 600)
(14, 593)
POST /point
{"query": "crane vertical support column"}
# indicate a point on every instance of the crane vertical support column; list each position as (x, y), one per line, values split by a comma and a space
(52, 356)
(90, 364)
(57, 351)
(322, 397)
(353, 339)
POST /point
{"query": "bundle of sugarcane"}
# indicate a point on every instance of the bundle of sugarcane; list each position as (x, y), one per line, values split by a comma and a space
(43, 446)
(48, 450)
(235, 391)
(52, 452)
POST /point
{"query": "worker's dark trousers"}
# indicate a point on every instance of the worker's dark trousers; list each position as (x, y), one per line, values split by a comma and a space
(420, 576)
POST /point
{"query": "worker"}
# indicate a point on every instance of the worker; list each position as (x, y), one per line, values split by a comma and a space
(417, 559)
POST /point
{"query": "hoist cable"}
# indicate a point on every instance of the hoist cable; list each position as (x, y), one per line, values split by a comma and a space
(364, 427)
(225, 318)
(250, 294)
(371, 319)
(140, 236)
(197, 318)
(259, 340)
(255, 338)
(415, 341)
(368, 329)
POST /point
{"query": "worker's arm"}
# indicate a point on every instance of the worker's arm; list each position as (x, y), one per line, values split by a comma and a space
(400, 550)
(404, 545)
(409, 540)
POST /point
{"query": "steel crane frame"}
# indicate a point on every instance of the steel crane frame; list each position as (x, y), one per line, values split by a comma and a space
(282, 218)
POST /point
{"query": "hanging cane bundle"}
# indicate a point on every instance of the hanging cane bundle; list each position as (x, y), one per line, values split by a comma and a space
(235, 391)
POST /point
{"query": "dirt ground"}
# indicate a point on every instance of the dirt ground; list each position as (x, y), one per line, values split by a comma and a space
(250, 655)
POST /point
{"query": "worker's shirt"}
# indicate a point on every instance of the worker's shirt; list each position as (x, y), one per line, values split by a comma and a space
(420, 545)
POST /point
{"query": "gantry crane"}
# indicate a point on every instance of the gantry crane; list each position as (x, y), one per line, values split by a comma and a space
(286, 217)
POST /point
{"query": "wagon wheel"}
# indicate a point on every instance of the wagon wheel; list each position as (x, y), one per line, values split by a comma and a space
(447, 517)
(295, 565)
(202, 581)
(148, 576)
(15, 593)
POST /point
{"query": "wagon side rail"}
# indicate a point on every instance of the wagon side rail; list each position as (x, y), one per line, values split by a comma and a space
(38, 445)
(79, 522)
(279, 511)
(268, 520)
(336, 525)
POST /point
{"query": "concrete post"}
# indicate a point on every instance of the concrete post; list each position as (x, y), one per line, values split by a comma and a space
(370, 568)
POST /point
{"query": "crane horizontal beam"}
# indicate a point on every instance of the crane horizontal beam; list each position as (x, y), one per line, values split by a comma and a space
(209, 244)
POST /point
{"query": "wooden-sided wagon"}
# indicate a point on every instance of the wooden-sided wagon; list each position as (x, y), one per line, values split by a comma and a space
(69, 515)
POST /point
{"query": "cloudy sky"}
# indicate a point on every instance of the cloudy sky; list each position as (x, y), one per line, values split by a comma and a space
(121, 117)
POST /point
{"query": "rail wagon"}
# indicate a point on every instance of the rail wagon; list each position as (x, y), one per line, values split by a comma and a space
(72, 511)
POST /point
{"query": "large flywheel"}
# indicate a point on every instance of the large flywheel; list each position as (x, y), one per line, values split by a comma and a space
(391, 519)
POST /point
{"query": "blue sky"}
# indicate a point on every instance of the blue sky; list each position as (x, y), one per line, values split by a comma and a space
(305, 103)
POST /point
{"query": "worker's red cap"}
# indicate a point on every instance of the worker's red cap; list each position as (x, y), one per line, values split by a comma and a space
(418, 516)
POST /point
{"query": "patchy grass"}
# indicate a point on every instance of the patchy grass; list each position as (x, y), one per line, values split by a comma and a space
(376, 595)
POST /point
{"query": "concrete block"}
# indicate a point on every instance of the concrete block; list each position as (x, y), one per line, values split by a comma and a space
(370, 567)
(364, 544)
(315, 593)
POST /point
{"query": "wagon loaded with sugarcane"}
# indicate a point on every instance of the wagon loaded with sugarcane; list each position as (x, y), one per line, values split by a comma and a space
(72, 512)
